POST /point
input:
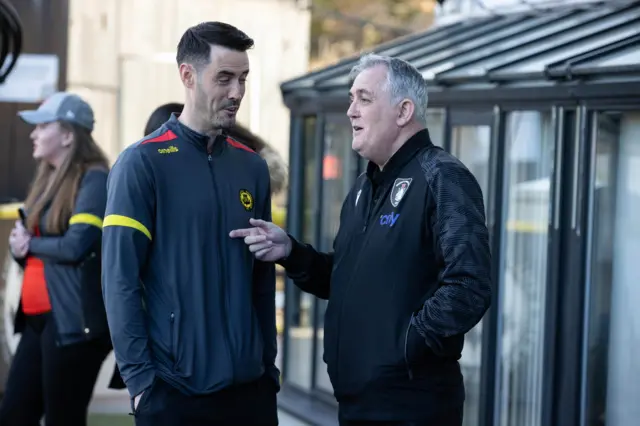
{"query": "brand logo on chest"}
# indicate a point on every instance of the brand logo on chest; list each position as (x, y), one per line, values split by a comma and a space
(389, 219)
(170, 150)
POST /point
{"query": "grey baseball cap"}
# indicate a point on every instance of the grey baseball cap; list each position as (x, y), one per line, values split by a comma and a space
(61, 106)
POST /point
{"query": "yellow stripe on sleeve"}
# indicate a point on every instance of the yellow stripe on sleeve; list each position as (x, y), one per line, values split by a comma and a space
(118, 220)
(86, 219)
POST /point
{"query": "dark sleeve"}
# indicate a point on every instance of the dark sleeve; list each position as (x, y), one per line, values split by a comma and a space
(457, 224)
(128, 230)
(309, 269)
(264, 294)
(85, 225)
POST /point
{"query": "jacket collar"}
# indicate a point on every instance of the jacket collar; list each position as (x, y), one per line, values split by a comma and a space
(200, 140)
(406, 152)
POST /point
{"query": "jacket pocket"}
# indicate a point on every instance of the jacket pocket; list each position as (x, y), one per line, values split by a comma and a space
(414, 347)
(144, 399)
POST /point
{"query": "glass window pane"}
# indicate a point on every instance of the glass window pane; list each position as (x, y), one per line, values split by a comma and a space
(435, 124)
(472, 145)
(340, 167)
(613, 339)
(529, 153)
(300, 345)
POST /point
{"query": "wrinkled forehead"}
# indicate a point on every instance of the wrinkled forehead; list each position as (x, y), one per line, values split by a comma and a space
(371, 81)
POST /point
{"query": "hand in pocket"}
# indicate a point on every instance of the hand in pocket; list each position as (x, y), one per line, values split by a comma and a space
(137, 399)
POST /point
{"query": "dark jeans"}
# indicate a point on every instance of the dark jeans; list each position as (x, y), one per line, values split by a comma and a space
(451, 417)
(45, 379)
(250, 404)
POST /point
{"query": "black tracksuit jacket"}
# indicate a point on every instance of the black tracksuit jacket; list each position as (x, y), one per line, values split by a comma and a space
(408, 277)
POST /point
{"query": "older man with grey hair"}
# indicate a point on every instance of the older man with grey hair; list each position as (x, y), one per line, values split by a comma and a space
(410, 270)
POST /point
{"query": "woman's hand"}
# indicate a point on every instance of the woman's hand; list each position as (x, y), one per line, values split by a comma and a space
(19, 240)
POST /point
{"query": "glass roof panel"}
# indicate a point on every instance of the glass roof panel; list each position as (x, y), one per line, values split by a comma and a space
(509, 45)
(432, 35)
(539, 63)
(630, 56)
(475, 36)
(393, 49)
(546, 38)
(424, 59)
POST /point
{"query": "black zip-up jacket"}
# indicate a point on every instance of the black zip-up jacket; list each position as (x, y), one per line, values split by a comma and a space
(408, 277)
(208, 319)
(72, 265)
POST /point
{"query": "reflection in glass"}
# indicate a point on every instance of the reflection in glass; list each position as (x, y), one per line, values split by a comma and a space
(340, 167)
(472, 144)
(613, 339)
(529, 154)
(300, 345)
(601, 247)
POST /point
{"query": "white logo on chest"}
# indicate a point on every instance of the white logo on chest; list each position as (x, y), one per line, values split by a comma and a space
(400, 188)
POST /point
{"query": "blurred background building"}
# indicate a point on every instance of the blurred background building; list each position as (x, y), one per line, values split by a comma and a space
(539, 98)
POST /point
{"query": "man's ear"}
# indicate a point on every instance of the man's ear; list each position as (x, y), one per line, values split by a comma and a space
(187, 75)
(405, 112)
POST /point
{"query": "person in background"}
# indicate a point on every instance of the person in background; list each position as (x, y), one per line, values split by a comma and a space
(65, 337)
(410, 270)
(191, 313)
(277, 167)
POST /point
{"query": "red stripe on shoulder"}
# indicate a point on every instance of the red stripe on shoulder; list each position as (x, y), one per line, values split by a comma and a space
(239, 145)
(165, 137)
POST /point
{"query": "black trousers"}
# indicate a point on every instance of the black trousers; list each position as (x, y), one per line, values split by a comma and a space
(452, 417)
(45, 379)
(250, 404)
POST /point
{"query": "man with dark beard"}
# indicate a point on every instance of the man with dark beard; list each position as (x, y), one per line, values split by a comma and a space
(192, 314)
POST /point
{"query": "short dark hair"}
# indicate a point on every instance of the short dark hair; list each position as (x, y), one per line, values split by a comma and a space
(195, 44)
(161, 115)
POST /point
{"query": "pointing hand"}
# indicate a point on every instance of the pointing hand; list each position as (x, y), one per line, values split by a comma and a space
(266, 241)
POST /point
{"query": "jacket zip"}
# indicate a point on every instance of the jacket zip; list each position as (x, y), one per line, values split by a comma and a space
(370, 209)
(223, 295)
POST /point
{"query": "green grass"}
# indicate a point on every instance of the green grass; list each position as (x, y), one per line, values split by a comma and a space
(110, 420)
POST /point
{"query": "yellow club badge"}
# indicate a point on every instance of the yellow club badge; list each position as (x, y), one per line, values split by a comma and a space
(246, 199)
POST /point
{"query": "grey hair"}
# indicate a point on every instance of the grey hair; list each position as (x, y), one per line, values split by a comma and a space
(404, 81)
